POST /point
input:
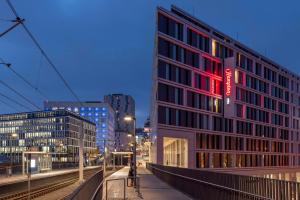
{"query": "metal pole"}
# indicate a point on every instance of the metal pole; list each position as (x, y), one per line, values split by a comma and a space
(104, 158)
(23, 163)
(10, 172)
(114, 161)
(29, 173)
(134, 152)
(81, 152)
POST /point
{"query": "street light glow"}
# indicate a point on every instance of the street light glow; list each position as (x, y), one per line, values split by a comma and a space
(14, 135)
(128, 118)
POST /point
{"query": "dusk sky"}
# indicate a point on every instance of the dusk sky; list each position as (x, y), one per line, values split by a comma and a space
(106, 46)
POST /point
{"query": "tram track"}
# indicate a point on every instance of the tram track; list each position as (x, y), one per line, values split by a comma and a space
(41, 188)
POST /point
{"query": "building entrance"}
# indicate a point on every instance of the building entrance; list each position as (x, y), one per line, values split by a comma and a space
(175, 152)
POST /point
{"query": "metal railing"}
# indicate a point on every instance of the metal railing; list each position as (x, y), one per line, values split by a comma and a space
(91, 189)
(209, 185)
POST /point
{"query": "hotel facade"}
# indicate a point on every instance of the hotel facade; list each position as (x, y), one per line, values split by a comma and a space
(218, 104)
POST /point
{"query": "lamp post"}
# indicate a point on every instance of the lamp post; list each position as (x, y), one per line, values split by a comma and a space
(133, 119)
(12, 136)
(104, 154)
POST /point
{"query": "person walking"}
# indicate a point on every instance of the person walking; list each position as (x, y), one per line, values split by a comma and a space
(130, 174)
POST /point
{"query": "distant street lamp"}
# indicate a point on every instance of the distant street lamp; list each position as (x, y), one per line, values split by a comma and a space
(133, 119)
(12, 136)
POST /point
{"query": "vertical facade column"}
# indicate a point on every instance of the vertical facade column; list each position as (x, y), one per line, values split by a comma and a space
(233, 160)
(210, 160)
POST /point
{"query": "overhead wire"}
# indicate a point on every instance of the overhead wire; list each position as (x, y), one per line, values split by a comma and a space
(9, 66)
(44, 53)
(20, 95)
(8, 105)
(14, 101)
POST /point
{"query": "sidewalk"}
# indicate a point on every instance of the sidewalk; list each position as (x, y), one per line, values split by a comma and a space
(150, 187)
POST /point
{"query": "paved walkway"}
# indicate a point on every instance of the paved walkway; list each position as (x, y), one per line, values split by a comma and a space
(150, 187)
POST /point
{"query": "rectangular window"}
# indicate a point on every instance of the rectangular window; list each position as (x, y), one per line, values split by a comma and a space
(211, 66)
(197, 40)
(170, 27)
(178, 53)
(174, 73)
(221, 51)
(202, 82)
(170, 94)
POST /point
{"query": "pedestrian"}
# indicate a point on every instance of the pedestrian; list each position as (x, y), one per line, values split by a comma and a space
(130, 174)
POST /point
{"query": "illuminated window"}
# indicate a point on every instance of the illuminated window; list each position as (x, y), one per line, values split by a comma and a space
(213, 47)
(227, 100)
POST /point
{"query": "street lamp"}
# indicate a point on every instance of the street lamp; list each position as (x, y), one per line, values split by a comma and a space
(132, 119)
(12, 136)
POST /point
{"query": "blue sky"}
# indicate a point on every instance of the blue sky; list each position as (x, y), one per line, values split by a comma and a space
(106, 46)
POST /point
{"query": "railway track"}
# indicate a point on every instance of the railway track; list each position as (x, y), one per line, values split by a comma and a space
(42, 190)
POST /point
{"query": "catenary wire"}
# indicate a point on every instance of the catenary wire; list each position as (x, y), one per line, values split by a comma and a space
(14, 101)
(9, 66)
(44, 53)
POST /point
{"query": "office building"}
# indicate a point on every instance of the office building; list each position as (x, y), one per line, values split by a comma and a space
(218, 104)
(55, 132)
(96, 111)
(123, 105)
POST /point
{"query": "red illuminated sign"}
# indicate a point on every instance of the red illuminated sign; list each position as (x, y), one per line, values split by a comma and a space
(228, 75)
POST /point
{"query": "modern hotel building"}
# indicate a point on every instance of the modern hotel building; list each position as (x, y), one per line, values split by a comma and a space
(55, 132)
(218, 104)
